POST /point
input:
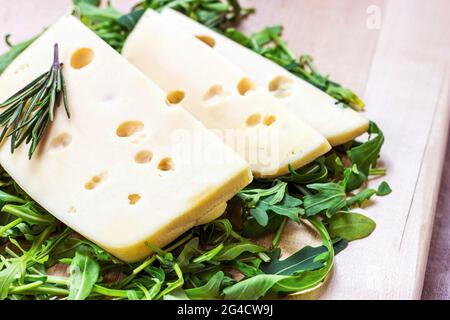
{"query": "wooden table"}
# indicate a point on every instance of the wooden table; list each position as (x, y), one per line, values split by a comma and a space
(395, 54)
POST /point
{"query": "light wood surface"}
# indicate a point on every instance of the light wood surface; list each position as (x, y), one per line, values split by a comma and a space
(402, 71)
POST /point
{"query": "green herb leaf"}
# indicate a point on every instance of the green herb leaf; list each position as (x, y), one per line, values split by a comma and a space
(209, 255)
(129, 20)
(253, 288)
(233, 251)
(366, 155)
(384, 189)
(84, 272)
(350, 226)
(210, 291)
(306, 259)
(172, 286)
(9, 274)
(329, 199)
(310, 280)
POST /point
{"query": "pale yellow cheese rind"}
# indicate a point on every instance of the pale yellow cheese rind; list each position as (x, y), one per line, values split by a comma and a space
(126, 168)
(336, 123)
(255, 124)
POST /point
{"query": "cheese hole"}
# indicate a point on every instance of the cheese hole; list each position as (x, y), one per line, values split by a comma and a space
(270, 120)
(94, 182)
(175, 97)
(97, 179)
(90, 185)
(134, 198)
(81, 58)
(166, 164)
(61, 142)
(244, 86)
(254, 120)
(207, 40)
(144, 156)
(281, 86)
(129, 128)
(215, 95)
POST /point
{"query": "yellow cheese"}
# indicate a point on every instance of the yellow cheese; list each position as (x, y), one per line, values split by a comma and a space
(221, 96)
(125, 168)
(316, 108)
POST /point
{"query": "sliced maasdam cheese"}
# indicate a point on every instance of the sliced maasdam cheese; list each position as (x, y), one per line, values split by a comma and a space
(126, 168)
(316, 108)
(223, 98)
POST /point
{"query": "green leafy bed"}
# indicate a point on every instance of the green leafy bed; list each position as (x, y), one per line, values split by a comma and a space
(40, 258)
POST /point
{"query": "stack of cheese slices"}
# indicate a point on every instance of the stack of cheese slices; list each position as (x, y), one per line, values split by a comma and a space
(154, 149)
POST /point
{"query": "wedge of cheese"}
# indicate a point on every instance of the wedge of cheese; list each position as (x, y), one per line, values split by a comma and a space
(316, 108)
(223, 98)
(127, 168)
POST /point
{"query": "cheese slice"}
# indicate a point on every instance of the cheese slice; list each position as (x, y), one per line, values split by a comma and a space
(126, 168)
(335, 122)
(223, 98)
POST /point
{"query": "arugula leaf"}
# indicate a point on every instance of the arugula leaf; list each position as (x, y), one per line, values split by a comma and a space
(306, 259)
(8, 198)
(384, 189)
(177, 294)
(310, 280)
(367, 194)
(233, 251)
(171, 286)
(353, 178)
(261, 202)
(247, 270)
(129, 20)
(29, 213)
(316, 172)
(366, 155)
(339, 245)
(253, 195)
(189, 251)
(330, 198)
(84, 273)
(211, 290)
(209, 255)
(252, 288)
(259, 285)
(253, 230)
(350, 226)
(8, 276)
(361, 197)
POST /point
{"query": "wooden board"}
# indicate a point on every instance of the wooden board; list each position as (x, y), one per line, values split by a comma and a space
(401, 69)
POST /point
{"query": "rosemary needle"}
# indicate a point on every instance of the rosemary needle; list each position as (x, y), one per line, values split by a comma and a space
(30, 111)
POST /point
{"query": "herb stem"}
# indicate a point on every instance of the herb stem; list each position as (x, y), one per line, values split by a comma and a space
(10, 226)
(110, 292)
(25, 287)
(41, 289)
(277, 238)
(377, 172)
(27, 214)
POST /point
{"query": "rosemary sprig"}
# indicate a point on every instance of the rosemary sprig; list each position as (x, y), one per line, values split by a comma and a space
(30, 110)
